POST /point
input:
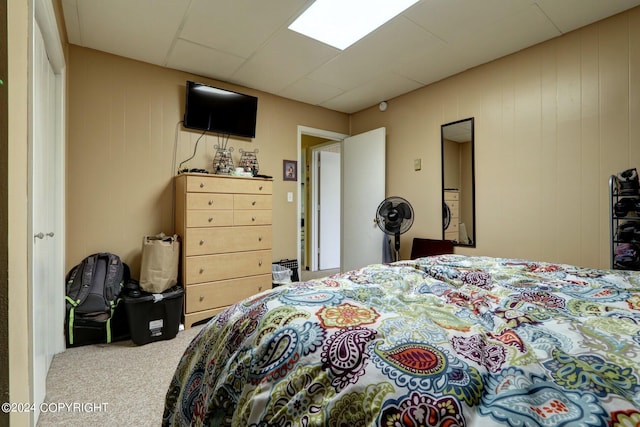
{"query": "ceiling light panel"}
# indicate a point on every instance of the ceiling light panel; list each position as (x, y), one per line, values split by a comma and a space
(340, 23)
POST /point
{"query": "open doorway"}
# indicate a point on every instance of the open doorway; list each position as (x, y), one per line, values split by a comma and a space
(318, 230)
(362, 188)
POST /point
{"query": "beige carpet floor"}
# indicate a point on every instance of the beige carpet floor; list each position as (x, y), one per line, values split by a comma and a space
(118, 384)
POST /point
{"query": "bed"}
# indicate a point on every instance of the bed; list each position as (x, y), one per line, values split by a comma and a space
(447, 340)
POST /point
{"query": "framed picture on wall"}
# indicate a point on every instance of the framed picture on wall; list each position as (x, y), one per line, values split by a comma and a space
(289, 170)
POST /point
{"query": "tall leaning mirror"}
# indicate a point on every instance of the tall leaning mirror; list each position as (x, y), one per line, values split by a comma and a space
(458, 183)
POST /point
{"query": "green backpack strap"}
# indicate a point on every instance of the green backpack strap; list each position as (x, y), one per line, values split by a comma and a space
(113, 305)
(72, 310)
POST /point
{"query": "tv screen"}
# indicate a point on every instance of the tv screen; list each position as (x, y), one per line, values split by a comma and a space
(221, 111)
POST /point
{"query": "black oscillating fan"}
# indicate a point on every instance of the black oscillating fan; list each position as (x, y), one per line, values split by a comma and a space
(394, 217)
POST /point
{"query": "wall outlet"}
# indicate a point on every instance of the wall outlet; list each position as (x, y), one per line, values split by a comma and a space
(289, 196)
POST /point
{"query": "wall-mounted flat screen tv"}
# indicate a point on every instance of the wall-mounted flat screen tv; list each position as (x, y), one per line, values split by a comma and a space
(220, 111)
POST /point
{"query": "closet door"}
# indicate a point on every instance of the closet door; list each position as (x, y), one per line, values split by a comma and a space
(46, 211)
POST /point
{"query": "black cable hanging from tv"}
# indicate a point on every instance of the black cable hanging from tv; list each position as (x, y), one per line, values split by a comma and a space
(195, 149)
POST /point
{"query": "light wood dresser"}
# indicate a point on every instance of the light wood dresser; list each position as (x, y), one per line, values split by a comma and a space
(452, 199)
(225, 226)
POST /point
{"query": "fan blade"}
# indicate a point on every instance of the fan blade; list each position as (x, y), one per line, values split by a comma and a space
(404, 210)
(384, 208)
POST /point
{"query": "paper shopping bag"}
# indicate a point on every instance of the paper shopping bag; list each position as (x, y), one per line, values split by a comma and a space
(159, 269)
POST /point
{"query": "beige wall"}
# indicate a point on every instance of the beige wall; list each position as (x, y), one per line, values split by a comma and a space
(123, 124)
(17, 87)
(552, 123)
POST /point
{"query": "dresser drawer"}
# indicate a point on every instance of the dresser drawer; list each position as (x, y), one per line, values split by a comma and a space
(209, 218)
(209, 201)
(251, 201)
(222, 184)
(209, 268)
(451, 235)
(216, 240)
(454, 207)
(256, 217)
(205, 296)
(451, 195)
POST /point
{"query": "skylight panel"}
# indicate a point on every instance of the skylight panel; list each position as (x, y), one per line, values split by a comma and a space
(340, 23)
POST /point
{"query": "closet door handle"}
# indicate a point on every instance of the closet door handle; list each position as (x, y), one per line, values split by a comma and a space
(41, 235)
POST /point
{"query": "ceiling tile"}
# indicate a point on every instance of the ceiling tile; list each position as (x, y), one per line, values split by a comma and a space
(311, 92)
(569, 15)
(456, 19)
(515, 32)
(201, 60)
(299, 55)
(385, 86)
(435, 64)
(239, 27)
(141, 29)
(399, 40)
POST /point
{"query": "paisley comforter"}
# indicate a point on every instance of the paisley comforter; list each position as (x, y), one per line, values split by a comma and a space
(439, 341)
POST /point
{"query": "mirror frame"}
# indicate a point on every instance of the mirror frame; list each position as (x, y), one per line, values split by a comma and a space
(472, 234)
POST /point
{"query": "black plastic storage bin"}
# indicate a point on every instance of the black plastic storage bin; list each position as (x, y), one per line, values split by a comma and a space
(86, 330)
(154, 317)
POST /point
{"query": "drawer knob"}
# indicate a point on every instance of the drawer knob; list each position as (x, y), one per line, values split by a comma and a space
(202, 185)
(259, 288)
(210, 202)
(210, 219)
(253, 218)
(260, 188)
(201, 242)
(260, 263)
(259, 238)
(253, 203)
(201, 270)
(201, 298)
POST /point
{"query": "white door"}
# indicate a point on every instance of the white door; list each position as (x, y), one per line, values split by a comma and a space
(363, 188)
(47, 277)
(328, 171)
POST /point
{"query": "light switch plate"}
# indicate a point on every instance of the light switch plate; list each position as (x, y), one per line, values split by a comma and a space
(417, 164)
(289, 196)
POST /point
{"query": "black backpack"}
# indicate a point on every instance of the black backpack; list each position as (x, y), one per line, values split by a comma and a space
(93, 290)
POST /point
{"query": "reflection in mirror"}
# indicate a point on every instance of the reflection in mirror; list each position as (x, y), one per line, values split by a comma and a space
(458, 183)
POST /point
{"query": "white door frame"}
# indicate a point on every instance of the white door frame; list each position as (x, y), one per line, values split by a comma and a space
(320, 133)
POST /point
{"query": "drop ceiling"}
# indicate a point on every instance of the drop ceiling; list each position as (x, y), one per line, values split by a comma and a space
(247, 42)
